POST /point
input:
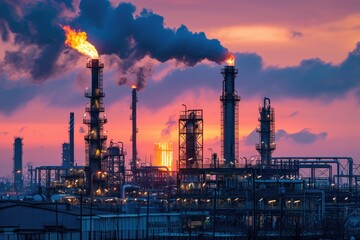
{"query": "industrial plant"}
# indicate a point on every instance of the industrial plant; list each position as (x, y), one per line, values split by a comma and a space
(225, 197)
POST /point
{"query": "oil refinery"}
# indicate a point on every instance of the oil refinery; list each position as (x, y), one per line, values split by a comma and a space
(225, 197)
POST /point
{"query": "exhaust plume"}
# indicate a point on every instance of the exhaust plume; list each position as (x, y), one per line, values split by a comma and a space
(136, 76)
(170, 125)
(33, 27)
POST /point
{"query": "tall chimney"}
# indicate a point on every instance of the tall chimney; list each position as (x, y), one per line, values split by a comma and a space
(71, 139)
(95, 138)
(18, 173)
(229, 117)
(134, 130)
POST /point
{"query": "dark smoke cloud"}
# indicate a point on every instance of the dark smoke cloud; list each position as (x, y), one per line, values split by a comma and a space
(311, 79)
(305, 136)
(38, 49)
(37, 36)
(14, 95)
(116, 30)
(113, 30)
(136, 75)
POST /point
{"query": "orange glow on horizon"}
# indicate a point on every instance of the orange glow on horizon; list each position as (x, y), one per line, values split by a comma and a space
(77, 40)
(230, 60)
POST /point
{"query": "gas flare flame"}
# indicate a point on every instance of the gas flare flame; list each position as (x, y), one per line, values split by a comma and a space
(77, 40)
(230, 60)
(133, 86)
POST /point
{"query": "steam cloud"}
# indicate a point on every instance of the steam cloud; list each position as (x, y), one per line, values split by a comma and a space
(116, 31)
(305, 136)
(170, 125)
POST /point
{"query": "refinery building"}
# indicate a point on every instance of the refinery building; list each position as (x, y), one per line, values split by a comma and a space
(225, 197)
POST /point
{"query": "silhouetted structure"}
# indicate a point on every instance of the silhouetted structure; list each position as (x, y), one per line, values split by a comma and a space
(95, 137)
(134, 163)
(266, 130)
(66, 155)
(191, 139)
(18, 163)
(229, 117)
(71, 140)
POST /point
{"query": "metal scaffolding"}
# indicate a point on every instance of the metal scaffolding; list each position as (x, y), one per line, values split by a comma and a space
(114, 165)
(95, 137)
(191, 139)
(266, 130)
(229, 117)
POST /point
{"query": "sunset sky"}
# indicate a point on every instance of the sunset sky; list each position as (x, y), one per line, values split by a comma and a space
(303, 55)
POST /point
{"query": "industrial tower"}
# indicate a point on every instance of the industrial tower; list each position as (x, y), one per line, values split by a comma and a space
(71, 139)
(229, 117)
(68, 148)
(114, 163)
(95, 137)
(134, 130)
(18, 175)
(66, 155)
(266, 130)
(191, 139)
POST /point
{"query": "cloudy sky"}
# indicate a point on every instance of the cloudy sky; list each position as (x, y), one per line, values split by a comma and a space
(303, 55)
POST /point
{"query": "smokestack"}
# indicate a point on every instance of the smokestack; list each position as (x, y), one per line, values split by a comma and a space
(95, 138)
(134, 129)
(18, 176)
(229, 117)
(71, 139)
(266, 131)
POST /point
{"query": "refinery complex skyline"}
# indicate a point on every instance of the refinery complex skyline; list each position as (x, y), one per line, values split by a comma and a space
(305, 67)
(179, 120)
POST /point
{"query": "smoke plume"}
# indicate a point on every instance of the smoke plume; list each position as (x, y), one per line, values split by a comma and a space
(136, 75)
(170, 125)
(33, 28)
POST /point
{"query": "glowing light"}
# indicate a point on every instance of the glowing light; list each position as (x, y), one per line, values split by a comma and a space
(164, 154)
(133, 86)
(77, 40)
(230, 60)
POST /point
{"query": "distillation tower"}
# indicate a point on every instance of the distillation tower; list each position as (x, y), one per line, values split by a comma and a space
(95, 137)
(191, 139)
(114, 163)
(229, 117)
(266, 130)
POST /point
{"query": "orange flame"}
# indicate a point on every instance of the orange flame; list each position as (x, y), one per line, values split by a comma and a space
(230, 60)
(133, 86)
(77, 40)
